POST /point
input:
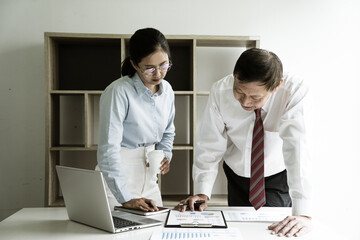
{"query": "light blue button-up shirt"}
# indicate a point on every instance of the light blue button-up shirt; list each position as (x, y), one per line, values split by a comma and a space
(131, 116)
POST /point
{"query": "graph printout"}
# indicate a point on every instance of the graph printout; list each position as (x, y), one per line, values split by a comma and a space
(196, 218)
(252, 216)
(196, 234)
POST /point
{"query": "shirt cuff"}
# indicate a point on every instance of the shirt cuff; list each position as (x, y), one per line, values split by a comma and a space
(203, 188)
(125, 196)
(168, 155)
(302, 207)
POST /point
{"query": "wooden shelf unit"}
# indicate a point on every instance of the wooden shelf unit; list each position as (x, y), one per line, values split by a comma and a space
(80, 66)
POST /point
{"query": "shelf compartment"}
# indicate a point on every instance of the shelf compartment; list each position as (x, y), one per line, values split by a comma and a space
(183, 116)
(85, 63)
(92, 102)
(181, 74)
(78, 159)
(171, 200)
(180, 173)
(67, 120)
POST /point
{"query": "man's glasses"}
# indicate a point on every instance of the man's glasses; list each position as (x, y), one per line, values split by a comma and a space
(162, 68)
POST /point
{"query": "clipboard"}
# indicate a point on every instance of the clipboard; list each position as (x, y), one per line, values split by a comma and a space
(196, 219)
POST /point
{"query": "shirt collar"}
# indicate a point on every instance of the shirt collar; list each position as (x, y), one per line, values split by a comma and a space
(141, 88)
(265, 108)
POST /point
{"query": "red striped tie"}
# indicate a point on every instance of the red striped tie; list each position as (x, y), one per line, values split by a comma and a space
(257, 183)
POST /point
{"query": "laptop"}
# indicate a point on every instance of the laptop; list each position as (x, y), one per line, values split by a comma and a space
(86, 202)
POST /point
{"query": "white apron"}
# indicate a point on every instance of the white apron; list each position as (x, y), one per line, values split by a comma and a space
(139, 181)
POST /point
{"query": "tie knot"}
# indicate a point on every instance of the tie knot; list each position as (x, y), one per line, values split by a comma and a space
(258, 112)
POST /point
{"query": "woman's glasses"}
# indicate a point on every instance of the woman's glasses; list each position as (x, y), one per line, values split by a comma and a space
(162, 68)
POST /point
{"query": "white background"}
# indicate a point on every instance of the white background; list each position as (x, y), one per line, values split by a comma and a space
(316, 39)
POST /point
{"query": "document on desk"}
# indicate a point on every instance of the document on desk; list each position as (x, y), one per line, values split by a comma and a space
(196, 234)
(253, 216)
(196, 219)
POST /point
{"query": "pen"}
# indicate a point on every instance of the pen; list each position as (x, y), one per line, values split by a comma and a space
(187, 203)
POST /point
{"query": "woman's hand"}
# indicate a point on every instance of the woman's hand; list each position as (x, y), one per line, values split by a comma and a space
(165, 166)
(144, 204)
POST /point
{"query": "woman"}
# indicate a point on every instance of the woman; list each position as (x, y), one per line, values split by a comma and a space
(137, 116)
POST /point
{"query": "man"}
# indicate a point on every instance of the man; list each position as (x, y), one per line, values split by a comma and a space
(262, 141)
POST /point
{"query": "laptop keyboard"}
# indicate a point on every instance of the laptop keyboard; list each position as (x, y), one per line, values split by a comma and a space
(121, 222)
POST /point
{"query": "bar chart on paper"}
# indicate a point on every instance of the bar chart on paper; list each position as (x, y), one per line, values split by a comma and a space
(196, 234)
(196, 219)
(253, 216)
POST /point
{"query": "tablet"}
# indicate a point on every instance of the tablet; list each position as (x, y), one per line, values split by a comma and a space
(140, 212)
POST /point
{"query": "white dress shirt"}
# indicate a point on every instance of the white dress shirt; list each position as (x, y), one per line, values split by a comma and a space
(226, 133)
(131, 116)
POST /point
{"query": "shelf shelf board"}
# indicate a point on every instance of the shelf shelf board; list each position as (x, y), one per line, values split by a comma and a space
(76, 92)
(73, 148)
(183, 147)
(227, 41)
(66, 36)
(203, 93)
(184, 92)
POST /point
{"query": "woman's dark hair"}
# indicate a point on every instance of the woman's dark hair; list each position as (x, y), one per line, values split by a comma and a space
(142, 43)
(259, 65)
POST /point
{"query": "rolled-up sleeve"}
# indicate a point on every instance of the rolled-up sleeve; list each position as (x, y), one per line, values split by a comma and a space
(167, 140)
(112, 113)
(296, 155)
(209, 149)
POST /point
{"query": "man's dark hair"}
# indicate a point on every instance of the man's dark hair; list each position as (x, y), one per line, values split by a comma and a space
(259, 65)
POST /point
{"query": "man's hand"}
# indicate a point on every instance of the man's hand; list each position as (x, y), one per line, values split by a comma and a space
(165, 166)
(190, 203)
(292, 226)
(144, 204)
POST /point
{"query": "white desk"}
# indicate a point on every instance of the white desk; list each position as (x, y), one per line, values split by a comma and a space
(53, 223)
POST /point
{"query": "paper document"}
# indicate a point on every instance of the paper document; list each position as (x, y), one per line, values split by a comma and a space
(253, 216)
(196, 234)
(195, 219)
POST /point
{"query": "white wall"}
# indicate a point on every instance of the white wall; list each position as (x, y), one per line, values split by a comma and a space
(318, 39)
